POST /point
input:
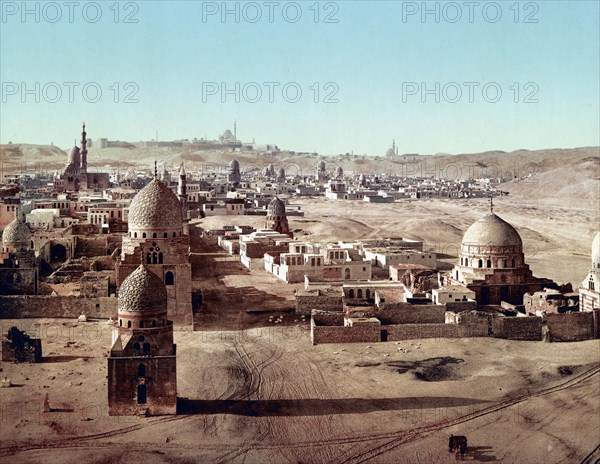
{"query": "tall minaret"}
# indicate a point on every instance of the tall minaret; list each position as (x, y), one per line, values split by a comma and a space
(182, 192)
(235, 130)
(83, 150)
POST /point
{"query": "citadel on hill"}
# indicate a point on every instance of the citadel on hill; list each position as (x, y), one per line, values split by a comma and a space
(93, 245)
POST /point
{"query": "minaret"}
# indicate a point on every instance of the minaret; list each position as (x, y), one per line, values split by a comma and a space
(235, 130)
(83, 150)
(182, 192)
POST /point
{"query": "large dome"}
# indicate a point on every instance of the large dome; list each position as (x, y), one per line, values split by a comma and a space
(276, 208)
(234, 165)
(74, 156)
(142, 290)
(16, 232)
(155, 207)
(492, 230)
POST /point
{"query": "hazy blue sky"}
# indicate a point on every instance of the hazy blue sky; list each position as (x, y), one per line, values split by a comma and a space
(376, 60)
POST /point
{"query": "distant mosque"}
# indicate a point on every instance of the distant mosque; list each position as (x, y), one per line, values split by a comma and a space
(75, 177)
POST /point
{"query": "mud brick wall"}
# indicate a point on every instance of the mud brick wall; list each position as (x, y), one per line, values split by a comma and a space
(415, 331)
(306, 303)
(517, 328)
(339, 334)
(570, 327)
(405, 313)
(335, 319)
(16, 307)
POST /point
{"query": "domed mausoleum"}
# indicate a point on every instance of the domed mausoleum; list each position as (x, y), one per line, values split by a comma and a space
(157, 236)
(492, 263)
(589, 292)
(277, 218)
(142, 376)
(18, 265)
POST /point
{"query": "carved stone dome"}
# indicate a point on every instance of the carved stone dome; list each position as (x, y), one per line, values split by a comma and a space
(143, 291)
(492, 230)
(16, 232)
(155, 207)
(276, 208)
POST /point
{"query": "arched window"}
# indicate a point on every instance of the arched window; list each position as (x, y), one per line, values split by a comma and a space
(347, 274)
(148, 258)
(135, 235)
(154, 258)
(121, 322)
(360, 293)
(160, 258)
(154, 235)
(141, 324)
(141, 370)
(480, 263)
(129, 324)
(165, 235)
(513, 262)
(489, 263)
(505, 262)
(351, 293)
(146, 349)
(368, 294)
(144, 235)
(136, 349)
(153, 322)
(591, 284)
(169, 278)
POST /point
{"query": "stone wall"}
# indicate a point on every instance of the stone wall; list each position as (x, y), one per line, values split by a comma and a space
(16, 307)
(306, 303)
(405, 313)
(517, 328)
(571, 326)
(339, 334)
(414, 331)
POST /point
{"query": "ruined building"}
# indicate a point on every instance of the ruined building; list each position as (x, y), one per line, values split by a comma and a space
(277, 218)
(20, 347)
(492, 263)
(18, 265)
(76, 177)
(142, 375)
(589, 292)
(156, 230)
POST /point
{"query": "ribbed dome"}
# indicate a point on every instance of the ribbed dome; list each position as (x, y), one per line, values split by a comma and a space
(276, 208)
(142, 290)
(16, 232)
(234, 165)
(74, 156)
(154, 207)
(492, 230)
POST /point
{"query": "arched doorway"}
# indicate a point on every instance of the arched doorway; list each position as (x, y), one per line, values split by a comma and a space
(59, 253)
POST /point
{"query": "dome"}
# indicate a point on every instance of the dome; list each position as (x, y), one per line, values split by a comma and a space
(142, 290)
(234, 165)
(491, 230)
(16, 232)
(281, 172)
(339, 172)
(390, 153)
(74, 156)
(276, 208)
(321, 165)
(155, 207)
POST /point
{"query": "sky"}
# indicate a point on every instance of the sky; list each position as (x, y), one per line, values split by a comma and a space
(331, 77)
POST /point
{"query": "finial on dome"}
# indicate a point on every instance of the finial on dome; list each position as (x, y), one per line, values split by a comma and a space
(491, 203)
(141, 255)
(155, 170)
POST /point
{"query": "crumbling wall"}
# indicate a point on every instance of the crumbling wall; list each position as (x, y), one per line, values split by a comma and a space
(570, 327)
(517, 328)
(16, 307)
(20, 347)
(414, 331)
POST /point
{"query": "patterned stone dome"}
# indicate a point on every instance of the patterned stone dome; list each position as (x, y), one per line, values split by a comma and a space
(155, 207)
(16, 232)
(276, 208)
(492, 230)
(142, 290)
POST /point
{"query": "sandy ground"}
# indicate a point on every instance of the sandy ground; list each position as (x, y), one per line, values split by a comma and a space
(266, 395)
